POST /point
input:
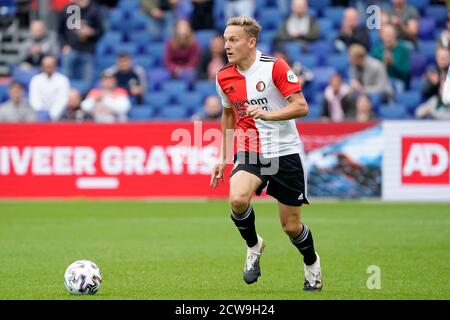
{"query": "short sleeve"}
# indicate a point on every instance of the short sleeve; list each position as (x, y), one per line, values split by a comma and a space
(285, 79)
(225, 101)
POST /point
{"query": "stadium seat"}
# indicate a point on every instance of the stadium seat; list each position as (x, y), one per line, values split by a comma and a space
(374, 36)
(120, 21)
(205, 88)
(4, 92)
(128, 5)
(335, 14)
(24, 76)
(43, 116)
(418, 63)
(141, 113)
(438, 13)
(156, 50)
(156, 77)
(203, 37)
(78, 85)
(308, 60)
(139, 22)
(321, 49)
(126, 47)
(411, 99)
(191, 100)
(375, 98)
(427, 26)
(314, 112)
(428, 48)
(393, 111)
(267, 36)
(173, 112)
(339, 62)
(175, 87)
(420, 5)
(322, 76)
(319, 4)
(270, 18)
(157, 99)
(326, 26)
(141, 38)
(416, 83)
(292, 49)
(145, 61)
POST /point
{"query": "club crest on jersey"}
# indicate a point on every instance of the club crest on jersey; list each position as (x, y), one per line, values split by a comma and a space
(260, 86)
(291, 77)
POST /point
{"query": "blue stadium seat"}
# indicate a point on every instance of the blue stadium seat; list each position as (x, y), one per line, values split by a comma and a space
(191, 100)
(78, 85)
(416, 83)
(292, 49)
(139, 22)
(4, 92)
(437, 12)
(339, 62)
(141, 38)
(335, 14)
(104, 62)
(270, 18)
(126, 47)
(175, 87)
(120, 20)
(322, 76)
(411, 99)
(393, 111)
(267, 36)
(156, 50)
(427, 26)
(203, 37)
(308, 60)
(43, 116)
(141, 113)
(128, 5)
(326, 26)
(205, 87)
(428, 48)
(375, 98)
(24, 76)
(145, 61)
(156, 77)
(157, 99)
(374, 36)
(321, 49)
(419, 4)
(418, 63)
(319, 4)
(173, 112)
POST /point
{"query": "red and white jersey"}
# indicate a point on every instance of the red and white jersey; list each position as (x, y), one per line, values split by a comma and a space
(267, 84)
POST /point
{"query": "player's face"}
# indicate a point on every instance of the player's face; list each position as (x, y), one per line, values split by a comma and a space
(237, 44)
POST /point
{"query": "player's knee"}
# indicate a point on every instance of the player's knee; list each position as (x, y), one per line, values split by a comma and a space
(239, 203)
(291, 228)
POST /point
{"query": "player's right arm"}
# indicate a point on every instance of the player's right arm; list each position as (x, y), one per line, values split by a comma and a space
(228, 123)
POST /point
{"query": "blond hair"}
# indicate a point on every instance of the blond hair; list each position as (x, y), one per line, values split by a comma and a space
(250, 25)
(357, 50)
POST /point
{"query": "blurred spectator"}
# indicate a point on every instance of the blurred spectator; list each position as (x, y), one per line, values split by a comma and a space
(130, 77)
(40, 43)
(337, 100)
(367, 74)
(213, 59)
(446, 89)
(16, 109)
(299, 26)
(364, 109)
(436, 74)
(108, 103)
(202, 14)
(394, 54)
(434, 107)
(212, 109)
(351, 32)
(164, 13)
(444, 37)
(49, 89)
(182, 52)
(78, 42)
(235, 8)
(405, 19)
(73, 111)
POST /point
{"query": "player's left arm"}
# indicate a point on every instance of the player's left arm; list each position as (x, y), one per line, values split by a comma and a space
(289, 86)
(297, 107)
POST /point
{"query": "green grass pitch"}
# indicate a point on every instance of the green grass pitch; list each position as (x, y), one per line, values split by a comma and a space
(191, 250)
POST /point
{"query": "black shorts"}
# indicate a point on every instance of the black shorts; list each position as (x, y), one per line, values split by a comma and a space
(284, 176)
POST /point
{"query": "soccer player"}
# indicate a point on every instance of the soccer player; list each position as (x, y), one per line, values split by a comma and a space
(262, 98)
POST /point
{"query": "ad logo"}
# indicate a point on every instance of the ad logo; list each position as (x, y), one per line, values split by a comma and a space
(425, 160)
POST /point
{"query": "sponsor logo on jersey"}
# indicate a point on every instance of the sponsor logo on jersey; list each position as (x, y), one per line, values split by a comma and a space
(291, 77)
(260, 86)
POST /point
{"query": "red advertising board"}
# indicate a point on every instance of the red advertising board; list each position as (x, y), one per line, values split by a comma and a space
(123, 160)
(425, 160)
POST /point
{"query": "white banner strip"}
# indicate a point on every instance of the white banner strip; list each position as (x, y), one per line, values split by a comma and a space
(97, 183)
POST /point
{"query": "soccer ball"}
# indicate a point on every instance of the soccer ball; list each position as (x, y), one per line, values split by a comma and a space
(83, 277)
